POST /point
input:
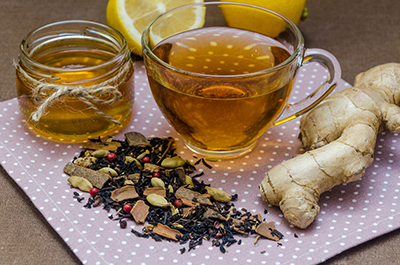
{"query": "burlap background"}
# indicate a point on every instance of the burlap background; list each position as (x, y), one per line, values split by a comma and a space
(361, 34)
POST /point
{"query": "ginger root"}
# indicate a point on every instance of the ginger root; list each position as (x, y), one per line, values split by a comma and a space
(340, 134)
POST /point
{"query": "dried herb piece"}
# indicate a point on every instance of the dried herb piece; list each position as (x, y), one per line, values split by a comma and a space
(85, 161)
(238, 226)
(98, 179)
(189, 202)
(275, 232)
(151, 167)
(167, 232)
(186, 211)
(137, 233)
(135, 177)
(124, 193)
(187, 194)
(109, 146)
(156, 190)
(265, 229)
(140, 211)
(222, 248)
(136, 139)
(210, 213)
(180, 171)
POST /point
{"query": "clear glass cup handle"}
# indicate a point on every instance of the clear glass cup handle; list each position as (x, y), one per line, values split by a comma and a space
(327, 60)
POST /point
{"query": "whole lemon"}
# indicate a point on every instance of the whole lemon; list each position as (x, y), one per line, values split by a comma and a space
(291, 9)
(264, 23)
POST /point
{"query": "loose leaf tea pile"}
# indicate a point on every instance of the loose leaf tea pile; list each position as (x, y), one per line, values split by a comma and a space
(145, 181)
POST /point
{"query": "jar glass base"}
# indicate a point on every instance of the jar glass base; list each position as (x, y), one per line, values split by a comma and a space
(222, 155)
(74, 138)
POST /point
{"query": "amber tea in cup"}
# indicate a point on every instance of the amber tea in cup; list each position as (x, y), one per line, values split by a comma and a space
(223, 84)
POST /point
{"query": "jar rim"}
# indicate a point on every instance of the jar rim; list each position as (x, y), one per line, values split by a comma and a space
(107, 33)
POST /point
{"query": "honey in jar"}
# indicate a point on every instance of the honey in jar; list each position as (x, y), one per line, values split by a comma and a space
(74, 81)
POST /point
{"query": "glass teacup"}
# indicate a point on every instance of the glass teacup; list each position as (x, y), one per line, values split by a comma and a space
(224, 82)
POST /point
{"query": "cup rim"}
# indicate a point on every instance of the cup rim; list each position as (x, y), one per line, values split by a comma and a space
(297, 51)
(114, 36)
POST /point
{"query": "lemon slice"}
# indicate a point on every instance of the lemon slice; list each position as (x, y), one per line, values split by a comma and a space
(131, 17)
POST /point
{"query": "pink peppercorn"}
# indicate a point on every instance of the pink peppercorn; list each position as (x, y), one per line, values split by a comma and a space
(111, 157)
(93, 191)
(127, 208)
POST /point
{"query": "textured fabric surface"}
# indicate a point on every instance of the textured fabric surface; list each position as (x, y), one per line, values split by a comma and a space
(361, 34)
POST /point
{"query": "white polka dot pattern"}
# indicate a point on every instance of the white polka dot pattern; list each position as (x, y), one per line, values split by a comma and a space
(350, 214)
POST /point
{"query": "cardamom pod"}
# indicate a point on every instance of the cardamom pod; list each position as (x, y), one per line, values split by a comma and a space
(189, 181)
(219, 195)
(148, 227)
(129, 182)
(143, 154)
(177, 225)
(157, 200)
(109, 171)
(170, 188)
(100, 153)
(176, 211)
(173, 162)
(156, 182)
(129, 159)
(80, 183)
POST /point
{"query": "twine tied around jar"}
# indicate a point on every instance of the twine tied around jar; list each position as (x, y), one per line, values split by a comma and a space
(88, 95)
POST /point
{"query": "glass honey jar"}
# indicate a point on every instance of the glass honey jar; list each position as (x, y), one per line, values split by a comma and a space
(75, 81)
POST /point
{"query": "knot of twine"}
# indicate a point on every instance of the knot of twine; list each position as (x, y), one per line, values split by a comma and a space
(88, 95)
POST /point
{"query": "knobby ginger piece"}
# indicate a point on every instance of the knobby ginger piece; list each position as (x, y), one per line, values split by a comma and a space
(340, 134)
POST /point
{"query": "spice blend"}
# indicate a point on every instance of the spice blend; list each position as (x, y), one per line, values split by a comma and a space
(146, 182)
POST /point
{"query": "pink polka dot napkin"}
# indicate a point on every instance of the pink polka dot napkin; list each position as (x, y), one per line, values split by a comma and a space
(350, 214)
